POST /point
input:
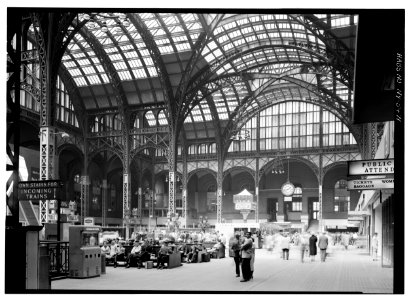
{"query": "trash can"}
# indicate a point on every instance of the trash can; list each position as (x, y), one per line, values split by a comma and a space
(103, 264)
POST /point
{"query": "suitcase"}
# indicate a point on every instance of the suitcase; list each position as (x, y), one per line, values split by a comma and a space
(205, 257)
(149, 264)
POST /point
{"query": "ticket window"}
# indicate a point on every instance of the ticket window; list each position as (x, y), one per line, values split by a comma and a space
(89, 239)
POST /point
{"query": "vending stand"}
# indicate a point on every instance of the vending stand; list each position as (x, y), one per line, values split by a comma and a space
(85, 253)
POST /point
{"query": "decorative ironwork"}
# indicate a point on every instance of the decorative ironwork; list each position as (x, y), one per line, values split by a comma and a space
(29, 56)
(172, 192)
(343, 57)
(84, 196)
(59, 253)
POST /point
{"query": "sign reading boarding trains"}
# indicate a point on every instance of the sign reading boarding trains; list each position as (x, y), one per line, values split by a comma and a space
(39, 190)
(371, 167)
(371, 184)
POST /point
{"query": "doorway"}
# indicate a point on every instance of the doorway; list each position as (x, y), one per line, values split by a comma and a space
(272, 209)
(313, 208)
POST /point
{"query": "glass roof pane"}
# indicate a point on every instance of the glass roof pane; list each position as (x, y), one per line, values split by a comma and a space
(115, 42)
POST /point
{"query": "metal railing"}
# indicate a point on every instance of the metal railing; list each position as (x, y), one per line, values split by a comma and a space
(59, 254)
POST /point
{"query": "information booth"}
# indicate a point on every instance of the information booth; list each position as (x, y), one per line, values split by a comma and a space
(85, 253)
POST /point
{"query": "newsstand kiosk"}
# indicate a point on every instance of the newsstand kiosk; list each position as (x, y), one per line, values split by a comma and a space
(85, 253)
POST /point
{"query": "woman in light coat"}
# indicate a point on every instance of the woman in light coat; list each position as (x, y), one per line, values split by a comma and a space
(285, 246)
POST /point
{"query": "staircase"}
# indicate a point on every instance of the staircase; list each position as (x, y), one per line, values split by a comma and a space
(27, 214)
(313, 226)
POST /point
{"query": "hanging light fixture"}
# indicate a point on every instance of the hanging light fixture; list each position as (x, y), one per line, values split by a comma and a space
(94, 18)
(104, 27)
(278, 167)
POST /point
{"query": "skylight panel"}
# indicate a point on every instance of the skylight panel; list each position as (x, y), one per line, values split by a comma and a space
(175, 29)
(80, 81)
(188, 119)
(115, 57)
(75, 72)
(88, 70)
(139, 73)
(94, 79)
(119, 65)
(153, 72)
(198, 118)
(182, 47)
(135, 63)
(131, 54)
(223, 116)
(125, 75)
(105, 78)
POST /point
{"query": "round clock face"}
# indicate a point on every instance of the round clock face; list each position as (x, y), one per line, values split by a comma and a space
(287, 189)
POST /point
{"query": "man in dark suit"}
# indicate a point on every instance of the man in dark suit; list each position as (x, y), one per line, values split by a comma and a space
(323, 244)
(246, 253)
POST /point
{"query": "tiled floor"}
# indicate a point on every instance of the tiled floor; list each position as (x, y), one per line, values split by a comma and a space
(344, 271)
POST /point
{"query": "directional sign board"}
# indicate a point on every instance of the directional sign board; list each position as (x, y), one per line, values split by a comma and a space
(39, 190)
(371, 184)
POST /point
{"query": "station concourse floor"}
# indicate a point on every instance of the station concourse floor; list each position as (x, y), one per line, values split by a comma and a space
(351, 271)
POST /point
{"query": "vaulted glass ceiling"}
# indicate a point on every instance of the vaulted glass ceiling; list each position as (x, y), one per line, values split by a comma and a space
(253, 60)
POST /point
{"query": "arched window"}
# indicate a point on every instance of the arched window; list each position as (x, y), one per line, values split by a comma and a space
(162, 120)
(117, 122)
(341, 196)
(293, 125)
(211, 198)
(212, 148)
(150, 119)
(202, 149)
(296, 204)
(95, 127)
(192, 150)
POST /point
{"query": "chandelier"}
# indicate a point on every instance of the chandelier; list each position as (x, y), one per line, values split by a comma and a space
(116, 20)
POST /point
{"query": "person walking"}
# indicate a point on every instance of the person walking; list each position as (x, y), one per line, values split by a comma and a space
(323, 245)
(285, 246)
(253, 256)
(304, 243)
(313, 246)
(246, 251)
(235, 247)
(375, 246)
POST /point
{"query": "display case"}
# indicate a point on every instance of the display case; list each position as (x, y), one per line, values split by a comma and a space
(85, 253)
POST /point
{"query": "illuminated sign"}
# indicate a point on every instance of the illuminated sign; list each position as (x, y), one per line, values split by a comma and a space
(371, 184)
(371, 167)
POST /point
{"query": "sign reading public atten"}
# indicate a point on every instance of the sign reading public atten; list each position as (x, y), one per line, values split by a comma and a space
(371, 184)
(371, 167)
(39, 190)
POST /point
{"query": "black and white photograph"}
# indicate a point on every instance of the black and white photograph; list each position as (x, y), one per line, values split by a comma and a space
(203, 150)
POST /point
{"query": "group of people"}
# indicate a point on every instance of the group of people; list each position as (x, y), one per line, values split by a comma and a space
(189, 250)
(243, 249)
(113, 251)
(307, 242)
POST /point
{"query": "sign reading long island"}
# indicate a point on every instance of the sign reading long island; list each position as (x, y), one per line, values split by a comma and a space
(39, 190)
(371, 167)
